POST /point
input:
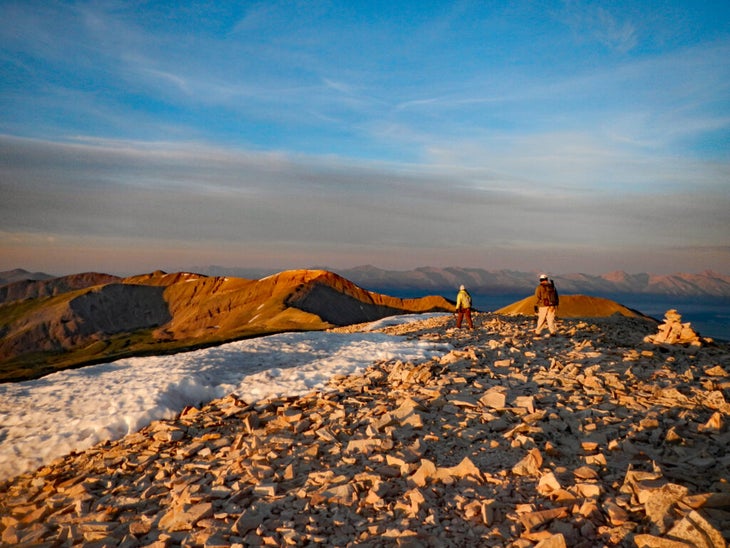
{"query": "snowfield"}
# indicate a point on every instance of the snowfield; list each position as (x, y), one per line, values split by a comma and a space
(43, 419)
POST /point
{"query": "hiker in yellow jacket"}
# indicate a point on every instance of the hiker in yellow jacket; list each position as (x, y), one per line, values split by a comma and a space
(463, 307)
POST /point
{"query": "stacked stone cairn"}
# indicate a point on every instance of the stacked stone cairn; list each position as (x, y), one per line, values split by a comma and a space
(674, 331)
(591, 438)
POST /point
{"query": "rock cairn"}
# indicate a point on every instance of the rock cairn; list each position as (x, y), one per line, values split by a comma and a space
(590, 438)
(674, 331)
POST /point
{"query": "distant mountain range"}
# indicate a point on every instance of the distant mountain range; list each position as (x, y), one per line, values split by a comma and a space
(20, 275)
(447, 280)
(18, 284)
(49, 324)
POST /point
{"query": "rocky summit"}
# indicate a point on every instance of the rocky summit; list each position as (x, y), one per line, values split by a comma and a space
(598, 436)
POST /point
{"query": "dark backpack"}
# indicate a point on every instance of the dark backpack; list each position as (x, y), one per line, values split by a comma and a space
(550, 295)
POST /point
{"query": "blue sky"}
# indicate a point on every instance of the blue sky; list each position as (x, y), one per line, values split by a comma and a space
(561, 136)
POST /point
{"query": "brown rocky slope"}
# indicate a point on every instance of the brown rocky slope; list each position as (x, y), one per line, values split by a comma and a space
(159, 312)
(591, 438)
(574, 306)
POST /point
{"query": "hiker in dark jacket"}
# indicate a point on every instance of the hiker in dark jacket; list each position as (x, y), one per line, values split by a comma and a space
(547, 304)
(463, 307)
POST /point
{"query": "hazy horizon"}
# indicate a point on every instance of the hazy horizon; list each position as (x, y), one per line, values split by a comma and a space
(203, 268)
(563, 137)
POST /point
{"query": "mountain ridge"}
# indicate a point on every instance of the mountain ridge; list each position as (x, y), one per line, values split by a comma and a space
(707, 283)
(44, 285)
(64, 325)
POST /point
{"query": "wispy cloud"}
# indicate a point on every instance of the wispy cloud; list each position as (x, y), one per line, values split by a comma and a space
(202, 194)
(599, 23)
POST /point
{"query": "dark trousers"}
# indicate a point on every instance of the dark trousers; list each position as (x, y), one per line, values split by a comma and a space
(460, 315)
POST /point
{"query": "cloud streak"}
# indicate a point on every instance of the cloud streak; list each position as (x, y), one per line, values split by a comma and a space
(194, 196)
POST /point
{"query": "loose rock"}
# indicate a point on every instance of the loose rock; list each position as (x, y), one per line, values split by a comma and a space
(600, 436)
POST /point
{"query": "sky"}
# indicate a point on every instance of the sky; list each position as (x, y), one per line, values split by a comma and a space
(47, 418)
(558, 136)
